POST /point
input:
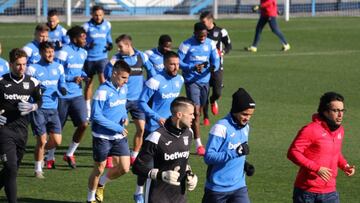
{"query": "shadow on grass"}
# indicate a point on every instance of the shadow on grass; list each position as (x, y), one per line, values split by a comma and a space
(31, 200)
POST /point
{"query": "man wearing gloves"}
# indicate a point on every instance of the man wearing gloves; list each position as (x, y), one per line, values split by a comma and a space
(16, 92)
(226, 151)
(317, 150)
(167, 149)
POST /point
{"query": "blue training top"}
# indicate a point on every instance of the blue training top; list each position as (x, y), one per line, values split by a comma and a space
(225, 167)
(156, 58)
(32, 52)
(4, 67)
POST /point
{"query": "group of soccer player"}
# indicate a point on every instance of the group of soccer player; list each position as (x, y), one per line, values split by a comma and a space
(58, 62)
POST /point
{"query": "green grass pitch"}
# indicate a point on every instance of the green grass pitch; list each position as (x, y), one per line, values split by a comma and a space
(325, 56)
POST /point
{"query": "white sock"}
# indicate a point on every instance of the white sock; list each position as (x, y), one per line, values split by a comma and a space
(198, 142)
(72, 148)
(51, 154)
(88, 107)
(134, 154)
(91, 195)
(38, 166)
(139, 190)
(104, 179)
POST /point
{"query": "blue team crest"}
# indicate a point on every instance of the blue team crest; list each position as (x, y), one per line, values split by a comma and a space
(111, 94)
(54, 72)
(82, 56)
(177, 84)
(206, 48)
(122, 91)
(103, 27)
(186, 140)
(26, 85)
(57, 33)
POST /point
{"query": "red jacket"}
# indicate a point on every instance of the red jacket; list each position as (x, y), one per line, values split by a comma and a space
(268, 8)
(314, 146)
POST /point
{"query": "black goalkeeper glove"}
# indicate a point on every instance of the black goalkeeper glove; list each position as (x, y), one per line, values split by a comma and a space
(108, 47)
(243, 149)
(249, 169)
(63, 91)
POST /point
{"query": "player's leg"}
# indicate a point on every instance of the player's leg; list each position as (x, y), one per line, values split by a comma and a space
(9, 163)
(212, 196)
(193, 92)
(78, 116)
(38, 124)
(54, 129)
(101, 149)
(275, 29)
(90, 70)
(240, 195)
(100, 68)
(217, 85)
(259, 27)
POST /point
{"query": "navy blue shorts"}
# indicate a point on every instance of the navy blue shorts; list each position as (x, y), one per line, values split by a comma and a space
(73, 107)
(239, 195)
(102, 148)
(95, 67)
(136, 112)
(45, 121)
(300, 196)
(198, 93)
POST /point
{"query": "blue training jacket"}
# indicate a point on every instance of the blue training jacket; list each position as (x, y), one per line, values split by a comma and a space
(225, 167)
(4, 67)
(156, 58)
(32, 52)
(72, 58)
(59, 34)
(98, 36)
(136, 78)
(192, 52)
(51, 77)
(108, 111)
(163, 89)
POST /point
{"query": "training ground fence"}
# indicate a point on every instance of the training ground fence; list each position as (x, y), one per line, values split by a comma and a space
(79, 10)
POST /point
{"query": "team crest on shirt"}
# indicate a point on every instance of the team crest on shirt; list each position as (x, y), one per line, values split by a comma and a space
(216, 34)
(339, 136)
(186, 140)
(82, 56)
(54, 72)
(206, 48)
(103, 27)
(26, 85)
(122, 91)
(177, 84)
(57, 33)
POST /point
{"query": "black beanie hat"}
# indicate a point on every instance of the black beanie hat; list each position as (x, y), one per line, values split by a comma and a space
(241, 100)
(199, 26)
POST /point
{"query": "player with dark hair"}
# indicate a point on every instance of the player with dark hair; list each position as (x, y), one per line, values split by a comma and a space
(268, 14)
(317, 151)
(156, 55)
(72, 57)
(41, 34)
(45, 121)
(4, 65)
(108, 118)
(17, 94)
(137, 61)
(57, 33)
(99, 43)
(164, 156)
(198, 58)
(223, 45)
(163, 88)
(226, 152)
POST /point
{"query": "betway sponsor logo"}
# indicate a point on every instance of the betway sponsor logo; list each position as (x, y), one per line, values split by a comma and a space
(169, 95)
(75, 65)
(176, 155)
(233, 146)
(117, 102)
(98, 35)
(49, 82)
(16, 97)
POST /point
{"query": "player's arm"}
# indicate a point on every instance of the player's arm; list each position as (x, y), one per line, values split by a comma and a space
(214, 58)
(144, 159)
(225, 39)
(217, 138)
(62, 83)
(183, 50)
(150, 70)
(298, 147)
(97, 116)
(148, 91)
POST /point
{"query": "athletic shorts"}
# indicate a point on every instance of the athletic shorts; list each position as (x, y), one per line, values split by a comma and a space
(45, 121)
(102, 148)
(95, 67)
(198, 93)
(75, 108)
(239, 195)
(216, 79)
(136, 112)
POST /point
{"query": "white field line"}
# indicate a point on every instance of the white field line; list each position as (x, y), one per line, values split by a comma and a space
(280, 54)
